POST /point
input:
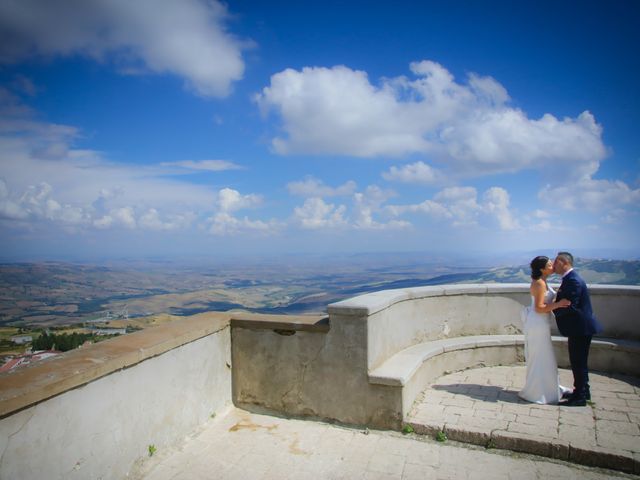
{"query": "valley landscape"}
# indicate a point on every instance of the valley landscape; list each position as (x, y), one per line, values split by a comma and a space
(74, 303)
(57, 294)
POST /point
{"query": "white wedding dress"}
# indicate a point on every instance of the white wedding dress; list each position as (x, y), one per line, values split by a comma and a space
(542, 384)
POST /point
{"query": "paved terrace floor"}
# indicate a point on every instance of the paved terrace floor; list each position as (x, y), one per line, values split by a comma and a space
(482, 406)
(243, 445)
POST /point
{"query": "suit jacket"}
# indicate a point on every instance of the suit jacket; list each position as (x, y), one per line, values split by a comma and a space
(577, 319)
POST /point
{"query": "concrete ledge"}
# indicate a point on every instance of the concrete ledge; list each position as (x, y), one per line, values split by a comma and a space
(398, 370)
(48, 378)
(370, 303)
(294, 323)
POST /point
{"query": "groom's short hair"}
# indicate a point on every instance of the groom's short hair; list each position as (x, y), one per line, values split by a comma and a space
(567, 257)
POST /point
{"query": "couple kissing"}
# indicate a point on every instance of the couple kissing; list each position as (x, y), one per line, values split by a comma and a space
(571, 307)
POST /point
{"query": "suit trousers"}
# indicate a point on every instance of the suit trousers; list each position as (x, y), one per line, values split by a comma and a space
(579, 356)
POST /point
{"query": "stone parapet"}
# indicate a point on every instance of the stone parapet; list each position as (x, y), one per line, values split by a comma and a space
(384, 347)
(93, 412)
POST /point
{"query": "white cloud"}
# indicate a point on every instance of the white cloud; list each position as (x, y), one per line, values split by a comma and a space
(507, 141)
(124, 216)
(366, 209)
(230, 200)
(78, 177)
(223, 223)
(539, 221)
(103, 222)
(592, 195)
(36, 203)
(543, 226)
(466, 128)
(10, 209)
(488, 90)
(418, 172)
(187, 38)
(204, 165)
(152, 220)
(428, 207)
(118, 217)
(496, 202)
(45, 181)
(315, 213)
(369, 203)
(312, 187)
(460, 206)
(461, 203)
(363, 121)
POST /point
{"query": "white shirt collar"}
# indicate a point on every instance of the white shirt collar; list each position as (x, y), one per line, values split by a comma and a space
(567, 272)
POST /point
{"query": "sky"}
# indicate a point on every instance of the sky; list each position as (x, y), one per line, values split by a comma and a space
(177, 127)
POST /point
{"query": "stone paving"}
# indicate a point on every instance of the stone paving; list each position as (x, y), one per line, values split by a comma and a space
(481, 406)
(247, 446)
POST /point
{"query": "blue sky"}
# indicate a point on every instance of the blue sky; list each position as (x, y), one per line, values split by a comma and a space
(129, 129)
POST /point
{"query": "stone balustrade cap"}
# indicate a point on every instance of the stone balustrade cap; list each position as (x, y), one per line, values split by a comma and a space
(259, 321)
(371, 303)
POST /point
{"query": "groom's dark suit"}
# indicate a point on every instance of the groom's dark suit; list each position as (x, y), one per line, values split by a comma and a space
(578, 323)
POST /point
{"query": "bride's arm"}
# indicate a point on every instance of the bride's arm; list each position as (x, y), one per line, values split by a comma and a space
(538, 290)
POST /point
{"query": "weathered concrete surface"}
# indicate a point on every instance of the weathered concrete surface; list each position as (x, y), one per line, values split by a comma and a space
(321, 375)
(181, 375)
(245, 445)
(481, 406)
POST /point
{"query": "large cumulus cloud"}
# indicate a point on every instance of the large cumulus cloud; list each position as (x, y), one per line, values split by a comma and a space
(464, 127)
(186, 38)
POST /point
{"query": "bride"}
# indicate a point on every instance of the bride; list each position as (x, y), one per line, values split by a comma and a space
(542, 384)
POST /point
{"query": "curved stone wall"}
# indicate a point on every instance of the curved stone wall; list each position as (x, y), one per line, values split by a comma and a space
(397, 319)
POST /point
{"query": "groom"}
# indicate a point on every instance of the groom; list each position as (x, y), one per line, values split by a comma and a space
(578, 323)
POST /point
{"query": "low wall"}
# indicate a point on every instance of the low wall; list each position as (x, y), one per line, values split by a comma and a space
(397, 319)
(308, 371)
(326, 374)
(91, 413)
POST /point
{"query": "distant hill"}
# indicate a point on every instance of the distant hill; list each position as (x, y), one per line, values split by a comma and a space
(53, 294)
(597, 271)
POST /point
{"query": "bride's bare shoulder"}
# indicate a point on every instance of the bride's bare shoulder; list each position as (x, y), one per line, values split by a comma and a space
(537, 284)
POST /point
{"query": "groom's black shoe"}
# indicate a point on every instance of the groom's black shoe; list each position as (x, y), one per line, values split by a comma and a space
(574, 402)
(567, 395)
(570, 395)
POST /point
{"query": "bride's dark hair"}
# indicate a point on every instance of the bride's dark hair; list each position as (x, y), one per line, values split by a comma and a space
(537, 264)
